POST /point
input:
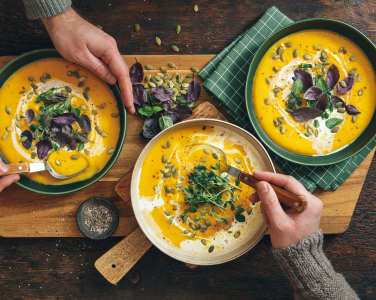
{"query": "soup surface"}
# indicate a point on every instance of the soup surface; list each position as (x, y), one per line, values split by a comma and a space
(276, 102)
(72, 91)
(177, 193)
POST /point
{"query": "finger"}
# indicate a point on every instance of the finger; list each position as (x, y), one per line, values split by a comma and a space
(265, 216)
(7, 181)
(120, 69)
(271, 204)
(3, 168)
(254, 198)
(289, 183)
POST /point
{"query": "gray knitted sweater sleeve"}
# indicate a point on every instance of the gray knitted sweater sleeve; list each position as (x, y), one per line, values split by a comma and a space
(39, 9)
(310, 272)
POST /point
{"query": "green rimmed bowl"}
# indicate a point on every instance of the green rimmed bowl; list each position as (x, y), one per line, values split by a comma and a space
(325, 24)
(31, 185)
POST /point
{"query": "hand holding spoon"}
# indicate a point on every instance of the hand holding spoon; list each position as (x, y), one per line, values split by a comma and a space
(284, 196)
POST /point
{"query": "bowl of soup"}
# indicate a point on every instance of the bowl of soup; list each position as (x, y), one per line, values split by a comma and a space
(58, 112)
(187, 206)
(310, 92)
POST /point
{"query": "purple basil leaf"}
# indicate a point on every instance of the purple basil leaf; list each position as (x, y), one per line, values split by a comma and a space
(43, 147)
(162, 94)
(306, 113)
(46, 119)
(305, 77)
(332, 76)
(139, 96)
(193, 92)
(86, 123)
(47, 129)
(349, 84)
(62, 139)
(322, 103)
(80, 137)
(136, 73)
(334, 100)
(55, 98)
(352, 110)
(30, 115)
(168, 104)
(67, 129)
(65, 119)
(183, 112)
(147, 134)
(313, 93)
(29, 135)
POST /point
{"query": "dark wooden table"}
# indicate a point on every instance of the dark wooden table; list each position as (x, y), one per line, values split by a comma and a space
(63, 268)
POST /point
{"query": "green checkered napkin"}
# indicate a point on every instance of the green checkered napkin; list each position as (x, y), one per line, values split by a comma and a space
(225, 77)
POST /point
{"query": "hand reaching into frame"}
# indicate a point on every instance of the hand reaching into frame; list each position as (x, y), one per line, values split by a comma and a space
(289, 226)
(83, 43)
(7, 180)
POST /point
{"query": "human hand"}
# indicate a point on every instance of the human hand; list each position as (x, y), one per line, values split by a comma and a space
(83, 43)
(290, 226)
(7, 180)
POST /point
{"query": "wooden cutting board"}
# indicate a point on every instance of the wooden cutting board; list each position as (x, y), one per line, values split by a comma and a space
(27, 214)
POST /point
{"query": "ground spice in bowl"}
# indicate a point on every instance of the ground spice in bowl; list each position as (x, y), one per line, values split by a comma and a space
(97, 218)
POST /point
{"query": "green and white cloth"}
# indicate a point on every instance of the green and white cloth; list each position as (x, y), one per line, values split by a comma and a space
(224, 80)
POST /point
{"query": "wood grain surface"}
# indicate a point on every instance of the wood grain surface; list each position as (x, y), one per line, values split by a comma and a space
(63, 268)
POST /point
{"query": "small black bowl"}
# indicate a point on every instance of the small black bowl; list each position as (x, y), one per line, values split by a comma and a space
(85, 230)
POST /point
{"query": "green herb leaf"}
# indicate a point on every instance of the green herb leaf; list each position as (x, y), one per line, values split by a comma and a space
(54, 146)
(237, 182)
(316, 123)
(297, 87)
(165, 122)
(333, 122)
(146, 111)
(36, 133)
(157, 109)
(33, 127)
(81, 147)
(321, 83)
(238, 214)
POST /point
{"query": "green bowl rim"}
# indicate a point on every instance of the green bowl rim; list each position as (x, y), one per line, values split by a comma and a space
(108, 166)
(249, 103)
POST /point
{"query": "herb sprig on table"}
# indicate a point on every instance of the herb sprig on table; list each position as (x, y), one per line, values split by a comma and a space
(207, 189)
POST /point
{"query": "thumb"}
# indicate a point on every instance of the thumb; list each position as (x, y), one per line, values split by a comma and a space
(271, 204)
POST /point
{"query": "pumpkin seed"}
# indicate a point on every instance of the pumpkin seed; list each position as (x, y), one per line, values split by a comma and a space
(227, 227)
(167, 189)
(237, 234)
(17, 117)
(181, 177)
(74, 157)
(194, 69)
(102, 106)
(94, 112)
(178, 29)
(86, 95)
(9, 129)
(352, 58)
(185, 231)
(238, 161)
(352, 72)
(31, 78)
(190, 75)
(207, 223)
(288, 45)
(170, 220)
(317, 47)
(154, 80)
(277, 57)
(23, 139)
(280, 120)
(295, 53)
(360, 92)
(179, 185)
(168, 165)
(358, 77)
(272, 55)
(98, 129)
(280, 50)
(43, 80)
(8, 110)
(110, 151)
(103, 134)
(307, 57)
(288, 110)
(168, 144)
(147, 78)
(180, 78)
(341, 110)
(342, 84)
(81, 84)
(32, 147)
(275, 69)
(267, 101)
(57, 162)
(203, 241)
(334, 130)
(249, 210)
(310, 131)
(306, 134)
(283, 129)
(33, 155)
(22, 91)
(195, 8)
(197, 226)
(282, 59)
(148, 67)
(5, 135)
(211, 249)
(157, 78)
(167, 174)
(277, 89)
(354, 119)
(175, 48)
(152, 84)
(137, 27)
(326, 63)
(76, 74)
(193, 227)
(164, 159)
(204, 159)
(18, 124)
(87, 152)
(158, 41)
(171, 64)
(69, 73)
(318, 66)
(316, 133)
(323, 60)
(323, 54)
(276, 123)
(207, 151)
(173, 168)
(324, 70)
(192, 235)
(167, 213)
(338, 104)
(268, 81)
(215, 155)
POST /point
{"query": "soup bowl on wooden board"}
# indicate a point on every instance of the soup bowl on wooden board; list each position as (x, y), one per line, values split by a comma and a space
(151, 229)
(44, 55)
(361, 139)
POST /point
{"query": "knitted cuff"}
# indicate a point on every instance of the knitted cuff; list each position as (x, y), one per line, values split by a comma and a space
(310, 272)
(39, 9)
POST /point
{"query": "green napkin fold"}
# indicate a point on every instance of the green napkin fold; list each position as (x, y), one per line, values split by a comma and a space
(224, 80)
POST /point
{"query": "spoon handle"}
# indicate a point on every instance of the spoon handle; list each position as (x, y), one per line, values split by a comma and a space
(18, 168)
(284, 196)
